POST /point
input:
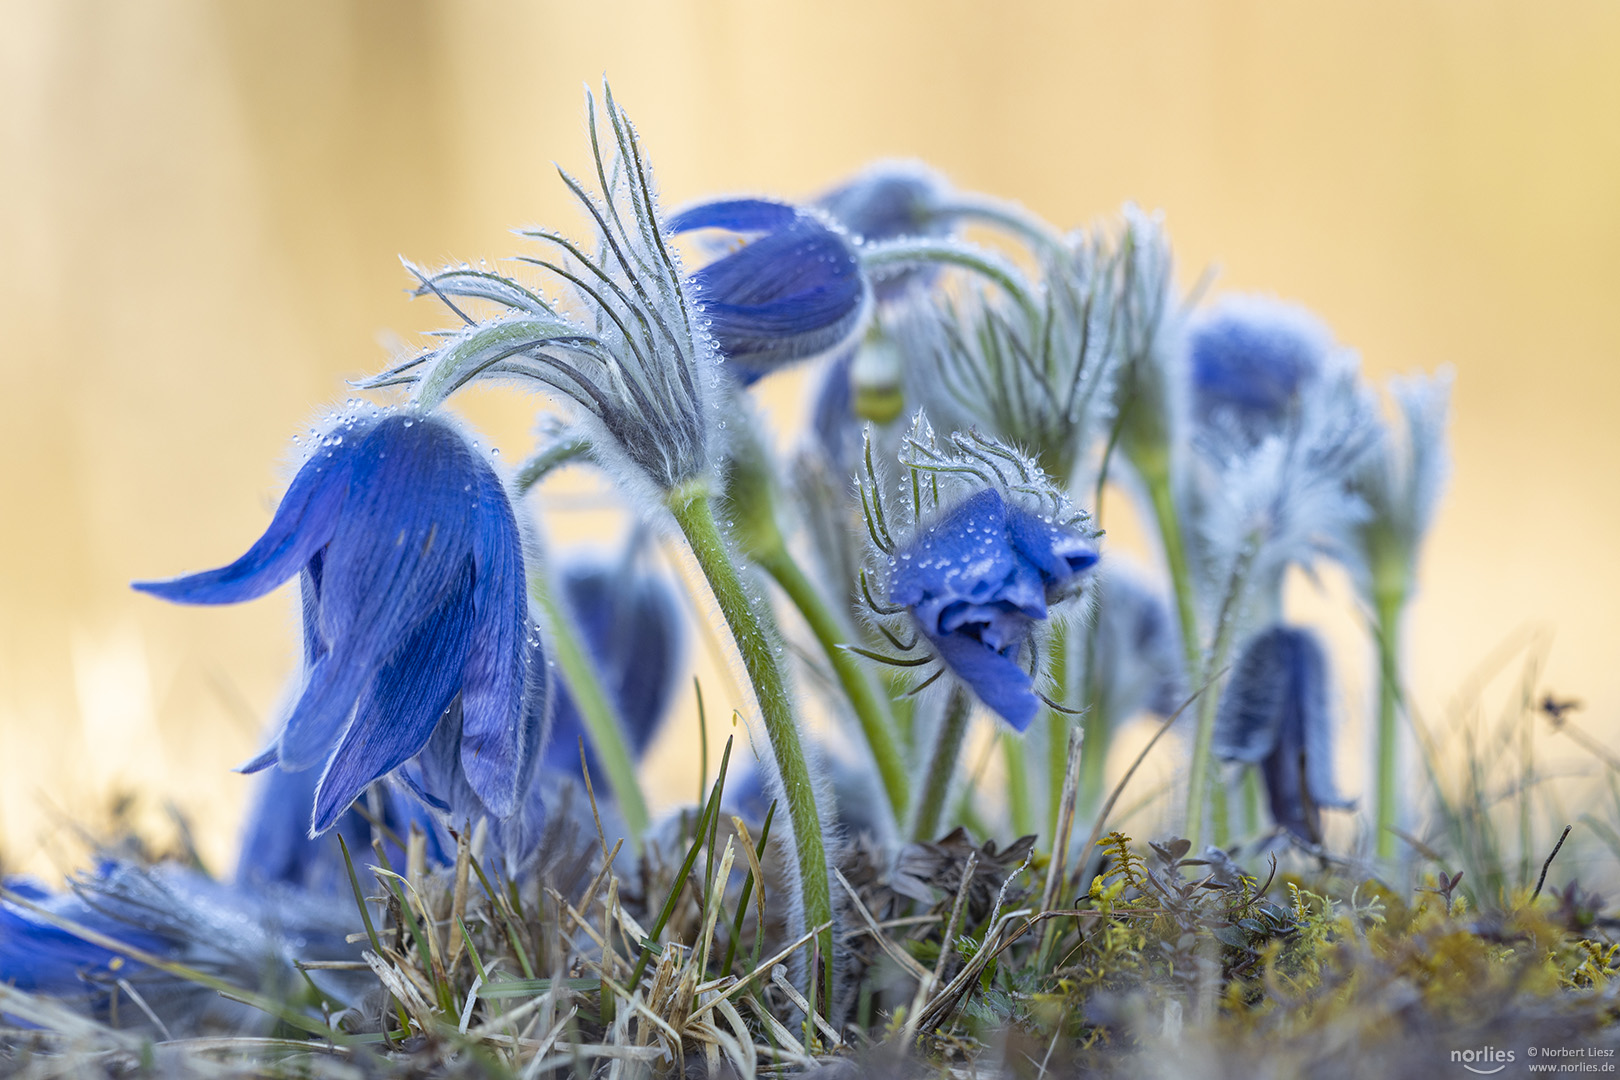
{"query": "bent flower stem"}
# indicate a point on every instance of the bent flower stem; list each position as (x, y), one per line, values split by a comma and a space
(756, 639)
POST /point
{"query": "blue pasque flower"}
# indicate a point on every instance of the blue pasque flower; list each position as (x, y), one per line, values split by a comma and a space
(793, 291)
(997, 546)
(1276, 713)
(276, 846)
(245, 936)
(38, 956)
(632, 631)
(413, 565)
(1252, 357)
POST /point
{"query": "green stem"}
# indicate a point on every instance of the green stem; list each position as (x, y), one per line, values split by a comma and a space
(1057, 729)
(758, 643)
(1014, 749)
(595, 710)
(1203, 766)
(1389, 604)
(870, 707)
(1252, 801)
(544, 461)
(942, 766)
(1094, 766)
(1156, 475)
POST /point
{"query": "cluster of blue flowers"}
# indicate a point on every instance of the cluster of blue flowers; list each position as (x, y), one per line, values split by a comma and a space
(968, 407)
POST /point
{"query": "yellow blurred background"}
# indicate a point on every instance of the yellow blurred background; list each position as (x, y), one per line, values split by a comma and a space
(201, 205)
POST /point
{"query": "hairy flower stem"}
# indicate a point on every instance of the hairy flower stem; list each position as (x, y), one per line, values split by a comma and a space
(1389, 604)
(1057, 728)
(1014, 750)
(595, 710)
(757, 641)
(1200, 791)
(1095, 725)
(1155, 472)
(942, 766)
(1156, 476)
(869, 706)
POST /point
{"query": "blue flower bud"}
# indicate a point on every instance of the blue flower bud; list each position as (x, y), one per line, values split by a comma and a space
(1275, 713)
(794, 291)
(415, 599)
(1251, 359)
(977, 580)
(632, 630)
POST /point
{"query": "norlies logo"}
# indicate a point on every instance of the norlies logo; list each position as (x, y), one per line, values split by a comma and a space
(1485, 1061)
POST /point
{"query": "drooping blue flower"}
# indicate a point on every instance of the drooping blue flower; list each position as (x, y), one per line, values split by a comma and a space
(977, 580)
(245, 936)
(1275, 712)
(37, 956)
(413, 575)
(276, 846)
(1252, 357)
(632, 632)
(795, 290)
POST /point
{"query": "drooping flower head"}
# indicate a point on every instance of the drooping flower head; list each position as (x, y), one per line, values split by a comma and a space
(632, 632)
(635, 345)
(276, 847)
(627, 347)
(412, 567)
(1276, 713)
(977, 554)
(794, 290)
(245, 936)
(1252, 357)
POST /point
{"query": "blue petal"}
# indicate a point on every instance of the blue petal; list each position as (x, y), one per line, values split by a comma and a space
(333, 685)
(1251, 357)
(302, 525)
(1256, 700)
(404, 704)
(405, 536)
(1060, 554)
(494, 747)
(786, 296)
(1275, 712)
(994, 677)
(976, 581)
(631, 627)
(276, 847)
(890, 201)
(737, 215)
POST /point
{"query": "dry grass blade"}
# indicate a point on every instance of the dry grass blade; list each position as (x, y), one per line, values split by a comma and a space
(907, 962)
(765, 966)
(780, 980)
(931, 979)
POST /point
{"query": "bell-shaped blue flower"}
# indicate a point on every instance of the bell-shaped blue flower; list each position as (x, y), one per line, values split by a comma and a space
(793, 291)
(1275, 713)
(1251, 359)
(412, 567)
(977, 580)
(632, 632)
